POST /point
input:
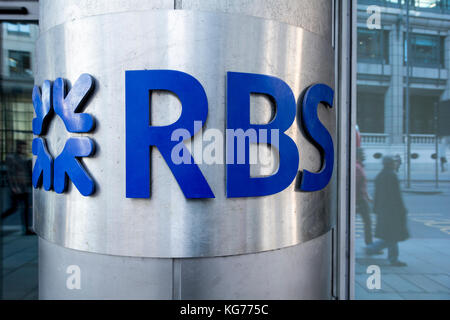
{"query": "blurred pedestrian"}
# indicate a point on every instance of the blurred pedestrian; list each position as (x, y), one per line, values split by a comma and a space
(358, 137)
(19, 179)
(391, 213)
(442, 152)
(398, 162)
(362, 197)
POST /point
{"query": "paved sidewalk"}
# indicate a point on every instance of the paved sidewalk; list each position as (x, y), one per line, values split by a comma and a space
(19, 265)
(427, 252)
(427, 275)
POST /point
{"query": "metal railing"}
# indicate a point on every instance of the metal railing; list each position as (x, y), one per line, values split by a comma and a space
(421, 138)
(383, 138)
(374, 138)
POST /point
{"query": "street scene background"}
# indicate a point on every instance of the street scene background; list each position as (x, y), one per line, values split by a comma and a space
(403, 92)
(403, 83)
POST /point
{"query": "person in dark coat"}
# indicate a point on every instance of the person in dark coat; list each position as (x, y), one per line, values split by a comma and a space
(391, 213)
(19, 179)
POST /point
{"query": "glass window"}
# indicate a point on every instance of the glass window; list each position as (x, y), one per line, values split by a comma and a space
(20, 63)
(426, 50)
(370, 115)
(373, 45)
(18, 246)
(18, 29)
(435, 5)
(427, 5)
(389, 3)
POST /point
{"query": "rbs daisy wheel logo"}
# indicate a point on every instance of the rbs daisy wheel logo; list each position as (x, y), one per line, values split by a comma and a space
(55, 173)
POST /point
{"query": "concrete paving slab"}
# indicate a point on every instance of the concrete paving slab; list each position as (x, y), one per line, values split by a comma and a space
(20, 283)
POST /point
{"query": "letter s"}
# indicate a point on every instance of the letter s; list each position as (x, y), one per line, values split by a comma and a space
(318, 135)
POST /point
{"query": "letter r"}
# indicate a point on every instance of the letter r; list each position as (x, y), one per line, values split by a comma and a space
(140, 135)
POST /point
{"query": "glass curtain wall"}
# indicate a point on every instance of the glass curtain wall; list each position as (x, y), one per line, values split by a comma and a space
(18, 242)
(402, 221)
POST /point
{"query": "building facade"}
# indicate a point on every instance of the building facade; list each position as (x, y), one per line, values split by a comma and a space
(382, 75)
(16, 84)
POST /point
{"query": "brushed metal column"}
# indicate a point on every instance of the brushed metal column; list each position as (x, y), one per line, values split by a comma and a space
(168, 247)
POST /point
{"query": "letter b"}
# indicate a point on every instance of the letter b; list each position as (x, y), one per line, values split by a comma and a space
(239, 87)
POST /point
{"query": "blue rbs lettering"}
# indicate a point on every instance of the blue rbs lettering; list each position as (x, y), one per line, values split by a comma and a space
(141, 135)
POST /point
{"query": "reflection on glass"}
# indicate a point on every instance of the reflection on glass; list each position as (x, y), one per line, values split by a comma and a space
(19, 63)
(373, 46)
(426, 5)
(403, 233)
(19, 244)
(427, 50)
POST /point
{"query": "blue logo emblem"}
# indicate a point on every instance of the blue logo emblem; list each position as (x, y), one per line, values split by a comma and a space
(55, 173)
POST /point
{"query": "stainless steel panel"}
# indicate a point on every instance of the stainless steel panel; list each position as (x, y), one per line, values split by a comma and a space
(101, 276)
(314, 16)
(298, 272)
(205, 45)
(55, 12)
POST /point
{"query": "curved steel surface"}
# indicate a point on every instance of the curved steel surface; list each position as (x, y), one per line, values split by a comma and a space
(205, 45)
(297, 272)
